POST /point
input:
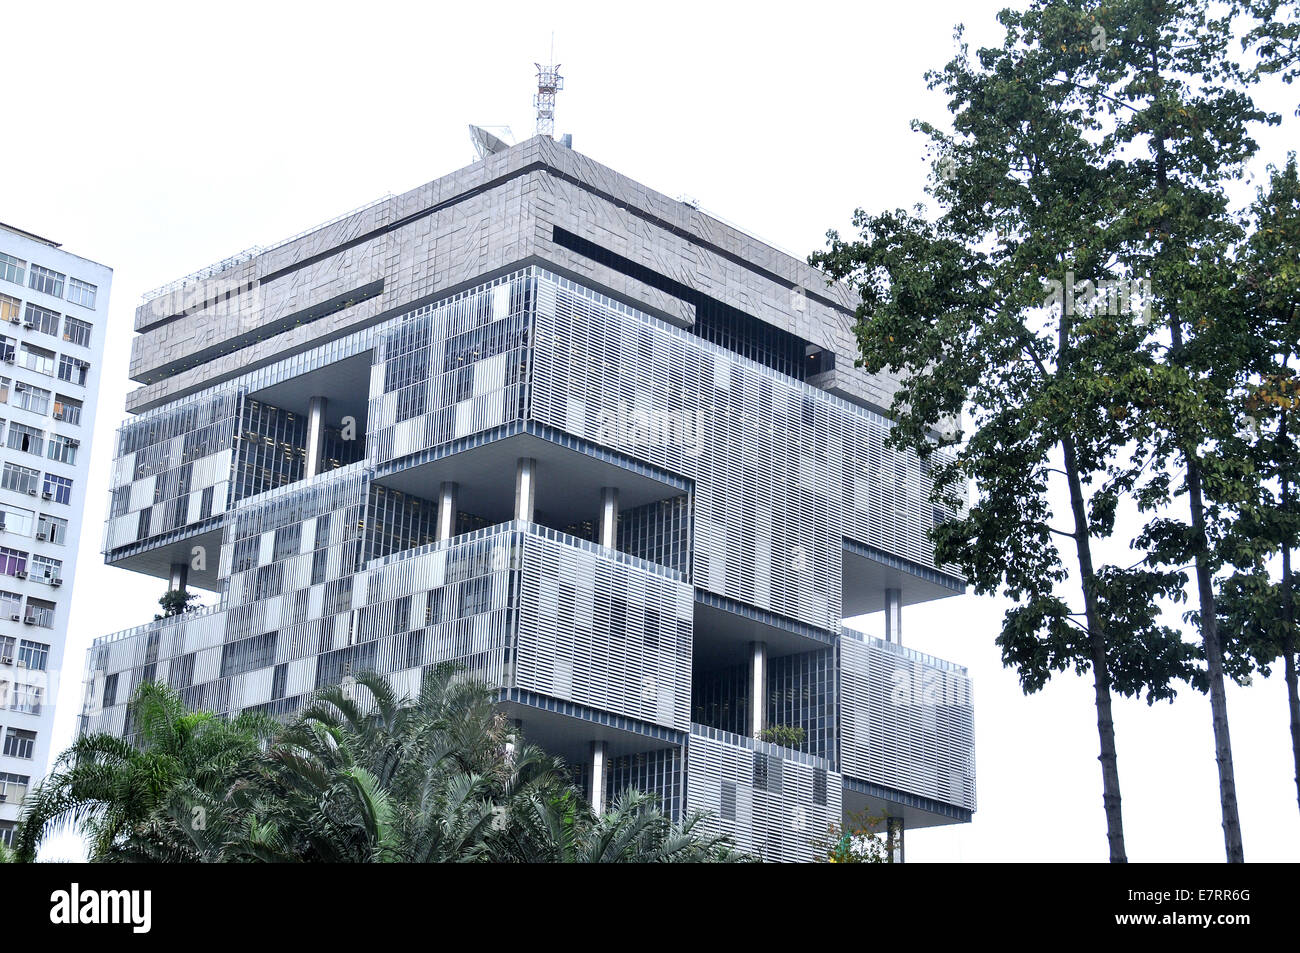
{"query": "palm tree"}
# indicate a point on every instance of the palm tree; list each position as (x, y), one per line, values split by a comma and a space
(361, 776)
(109, 787)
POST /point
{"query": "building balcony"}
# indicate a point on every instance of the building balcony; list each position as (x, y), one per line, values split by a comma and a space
(907, 732)
(775, 802)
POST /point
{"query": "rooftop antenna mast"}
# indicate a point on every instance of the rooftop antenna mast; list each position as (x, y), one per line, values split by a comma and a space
(549, 82)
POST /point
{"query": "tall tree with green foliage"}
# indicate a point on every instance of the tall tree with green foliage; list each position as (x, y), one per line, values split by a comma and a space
(1177, 130)
(992, 307)
(1258, 614)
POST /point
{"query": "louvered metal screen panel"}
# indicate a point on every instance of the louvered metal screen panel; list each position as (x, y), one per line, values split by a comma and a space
(782, 471)
(907, 721)
(611, 633)
(767, 798)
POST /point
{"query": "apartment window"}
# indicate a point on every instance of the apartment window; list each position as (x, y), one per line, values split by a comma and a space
(12, 269)
(35, 399)
(5, 384)
(46, 280)
(63, 449)
(46, 568)
(76, 331)
(42, 319)
(67, 409)
(24, 438)
(52, 528)
(38, 359)
(12, 561)
(7, 647)
(82, 293)
(27, 698)
(16, 520)
(7, 829)
(20, 479)
(40, 612)
(10, 309)
(8, 348)
(57, 488)
(110, 690)
(33, 655)
(72, 370)
(19, 743)
(11, 609)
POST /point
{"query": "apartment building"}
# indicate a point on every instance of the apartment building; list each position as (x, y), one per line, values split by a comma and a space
(595, 447)
(53, 311)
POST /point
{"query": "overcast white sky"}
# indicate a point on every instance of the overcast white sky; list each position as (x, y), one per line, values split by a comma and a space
(158, 138)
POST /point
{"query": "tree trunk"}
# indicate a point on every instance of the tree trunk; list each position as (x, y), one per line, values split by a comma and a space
(1210, 640)
(1214, 666)
(1288, 617)
(1204, 575)
(1110, 796)
(1288, 653)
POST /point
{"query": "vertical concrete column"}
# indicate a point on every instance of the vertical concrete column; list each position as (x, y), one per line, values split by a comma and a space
(447, 494)
(894, 839)
(315, 435)
(757, 688)
(598, 752)
(179, 578)
(894, 615)
(608, 534)
(525, 489)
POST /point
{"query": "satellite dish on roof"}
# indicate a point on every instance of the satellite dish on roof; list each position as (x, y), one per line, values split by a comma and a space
(487, 144)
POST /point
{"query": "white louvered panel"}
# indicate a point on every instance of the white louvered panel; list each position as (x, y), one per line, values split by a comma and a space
(906, 724)
(781, 823)
(604, 655)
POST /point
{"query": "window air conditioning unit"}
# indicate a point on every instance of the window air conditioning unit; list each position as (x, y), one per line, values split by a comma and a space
(15, 319)
(40, 534)
(13, 617)
(46, 494)
(21, 574)
(56, 581)
(31, 491)
(7, 659)
(57, 415)
(29, 619)
(28, 326)
(19, 386)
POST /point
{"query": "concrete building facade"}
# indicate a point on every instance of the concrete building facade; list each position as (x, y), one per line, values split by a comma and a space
(53, 315)
(597, 448)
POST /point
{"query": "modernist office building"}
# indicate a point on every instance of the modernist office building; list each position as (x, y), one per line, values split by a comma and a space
(597, 448)
(53, 310)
